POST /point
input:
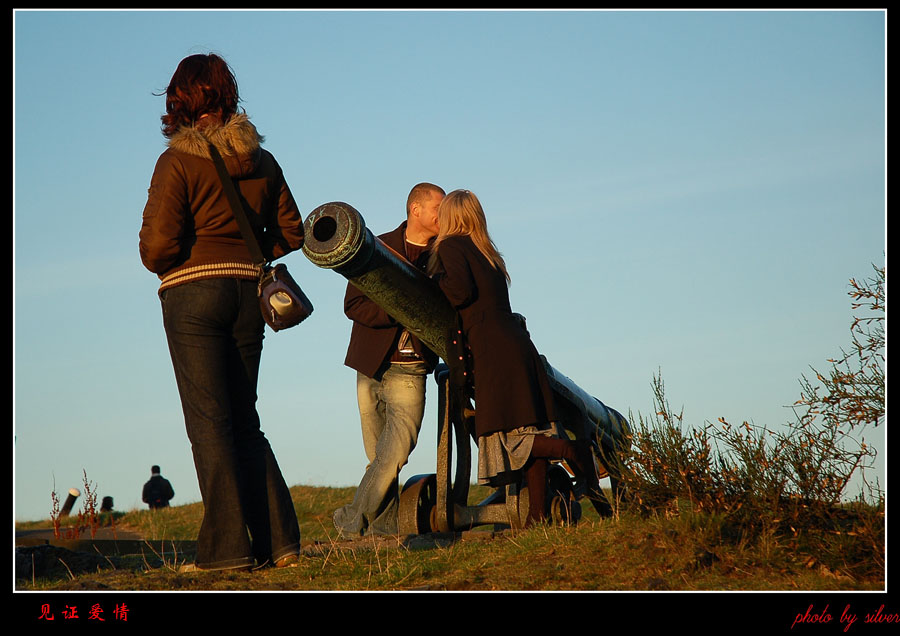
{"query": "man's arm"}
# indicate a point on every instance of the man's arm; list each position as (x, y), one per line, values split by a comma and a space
(359, 308)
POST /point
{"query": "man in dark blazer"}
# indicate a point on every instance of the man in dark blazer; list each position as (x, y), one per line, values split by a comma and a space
(391, 368)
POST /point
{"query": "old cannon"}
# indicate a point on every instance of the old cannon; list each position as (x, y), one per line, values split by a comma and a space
(336, 237)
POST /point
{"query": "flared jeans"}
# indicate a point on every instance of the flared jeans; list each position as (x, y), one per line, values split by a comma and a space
(214, 330)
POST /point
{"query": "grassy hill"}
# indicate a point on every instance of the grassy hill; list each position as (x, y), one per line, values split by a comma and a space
(677, 549)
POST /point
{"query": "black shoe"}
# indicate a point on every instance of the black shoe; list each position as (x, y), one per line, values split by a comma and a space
(587, 467)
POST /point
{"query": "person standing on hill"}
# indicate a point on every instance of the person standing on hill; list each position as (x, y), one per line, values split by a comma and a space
(391, 367)
(157, 491)
(214, 327)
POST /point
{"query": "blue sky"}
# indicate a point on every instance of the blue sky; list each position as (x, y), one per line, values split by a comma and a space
(676, 192)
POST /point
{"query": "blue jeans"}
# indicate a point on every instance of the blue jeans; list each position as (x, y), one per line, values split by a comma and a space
(391, 414)
(215, 331)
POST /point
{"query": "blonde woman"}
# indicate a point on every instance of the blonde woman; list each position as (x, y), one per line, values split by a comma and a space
(515, 418)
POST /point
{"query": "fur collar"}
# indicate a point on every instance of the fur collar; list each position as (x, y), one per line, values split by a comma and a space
(237, 137)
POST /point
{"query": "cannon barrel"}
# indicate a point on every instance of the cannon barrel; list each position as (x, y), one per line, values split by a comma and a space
(610, 427)
(74, 493)
(336, 237)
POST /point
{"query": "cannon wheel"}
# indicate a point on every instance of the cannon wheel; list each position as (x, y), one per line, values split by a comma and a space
(517, 504)
(418, 504)
(564, 509)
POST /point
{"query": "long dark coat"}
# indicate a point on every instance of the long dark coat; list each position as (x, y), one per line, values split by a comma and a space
(511, 386)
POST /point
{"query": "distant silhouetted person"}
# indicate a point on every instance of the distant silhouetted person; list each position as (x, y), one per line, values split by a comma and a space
(157, 491)
(107, 504)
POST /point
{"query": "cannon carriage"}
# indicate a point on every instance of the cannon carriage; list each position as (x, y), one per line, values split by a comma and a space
(337, 238)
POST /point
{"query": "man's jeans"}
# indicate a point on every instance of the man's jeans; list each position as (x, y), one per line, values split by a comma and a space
(391, 414)
(215, 331)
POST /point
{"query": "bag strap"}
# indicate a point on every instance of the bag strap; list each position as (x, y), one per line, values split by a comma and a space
(238, 208)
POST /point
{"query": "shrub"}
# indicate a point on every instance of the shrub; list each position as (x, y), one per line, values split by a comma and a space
(793, 481)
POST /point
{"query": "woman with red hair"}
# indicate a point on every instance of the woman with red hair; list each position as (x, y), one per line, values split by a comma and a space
(214, 327)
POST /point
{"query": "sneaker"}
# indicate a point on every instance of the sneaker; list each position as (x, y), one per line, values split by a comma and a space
(193, 567)
(288, 561)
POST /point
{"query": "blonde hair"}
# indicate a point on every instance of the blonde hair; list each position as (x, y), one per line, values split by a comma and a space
(461, 214)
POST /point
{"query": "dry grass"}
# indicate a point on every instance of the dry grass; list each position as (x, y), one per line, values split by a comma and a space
(681, 550)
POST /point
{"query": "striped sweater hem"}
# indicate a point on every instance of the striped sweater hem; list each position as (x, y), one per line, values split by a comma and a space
(245, 271)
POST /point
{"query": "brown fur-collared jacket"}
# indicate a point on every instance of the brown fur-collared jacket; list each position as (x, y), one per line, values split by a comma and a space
(189, 231)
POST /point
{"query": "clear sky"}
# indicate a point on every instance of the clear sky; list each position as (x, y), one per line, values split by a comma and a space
(678, 192)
